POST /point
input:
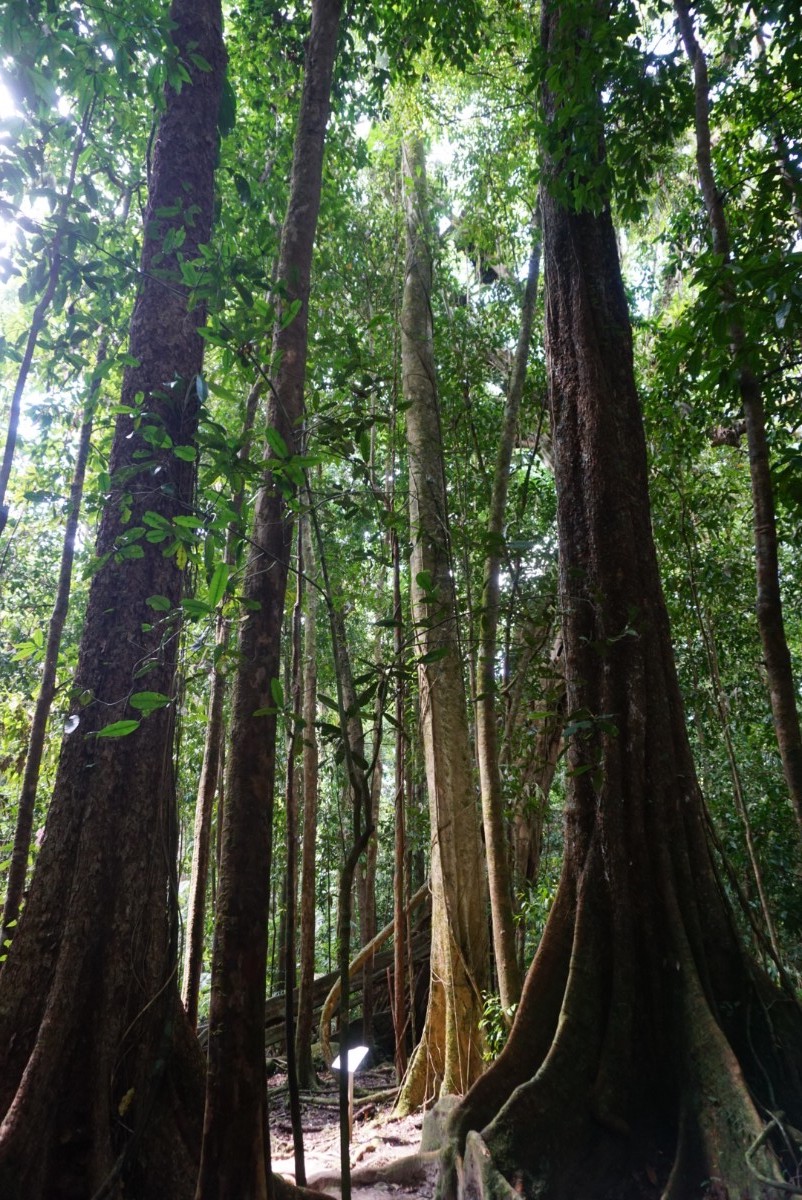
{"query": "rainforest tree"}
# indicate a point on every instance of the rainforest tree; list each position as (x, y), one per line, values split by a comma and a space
(647, 1045)
(448, 1057)
(391, 412)
(236, 1151)
(88, 992)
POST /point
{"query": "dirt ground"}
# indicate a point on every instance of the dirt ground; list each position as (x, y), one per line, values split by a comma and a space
(379, 1139)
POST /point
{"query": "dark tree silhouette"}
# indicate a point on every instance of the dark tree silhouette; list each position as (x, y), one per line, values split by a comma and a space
(96, 1059)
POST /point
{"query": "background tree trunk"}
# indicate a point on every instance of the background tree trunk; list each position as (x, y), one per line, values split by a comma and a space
(89, 1009)
(291, 889)
(782, 688)
(643, 1036)
(448, 1057)
(236, 1150)
(36, 744)
(366, 877)
(39, 317)
(305, 1021)
(401, 924)
(211, 766)
(487, 752)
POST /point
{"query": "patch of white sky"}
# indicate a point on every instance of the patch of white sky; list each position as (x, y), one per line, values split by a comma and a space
(8, 112)
(9, 231)
(442, 155)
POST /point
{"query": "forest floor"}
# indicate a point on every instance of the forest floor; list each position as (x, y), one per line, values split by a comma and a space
(379, 1139)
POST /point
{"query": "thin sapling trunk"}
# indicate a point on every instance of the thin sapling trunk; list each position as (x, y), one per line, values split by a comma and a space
(305, 1022)
(782, 687)
(487, 750)
(47, 689)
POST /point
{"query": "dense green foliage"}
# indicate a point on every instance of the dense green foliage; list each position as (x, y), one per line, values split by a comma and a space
(90, 77)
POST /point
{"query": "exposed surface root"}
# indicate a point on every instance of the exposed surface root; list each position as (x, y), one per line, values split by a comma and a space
(411, 1169)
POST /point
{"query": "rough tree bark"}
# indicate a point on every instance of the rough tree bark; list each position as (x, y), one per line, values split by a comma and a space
(448, 1057)
(487, 750)
(779, 672)
(647, 1050)
(236, 1150)
(99, 1078)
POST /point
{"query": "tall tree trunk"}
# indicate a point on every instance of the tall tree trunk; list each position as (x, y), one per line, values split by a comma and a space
(782, 690)
(89, 1008)
(47, 689)
(358, 777)
(400, 918)
(210, 767)
(305, 1022)
(448, 1057)
(291, 890)
(236, 1149)
(644, 1037)
(487, 752)
(366, 877)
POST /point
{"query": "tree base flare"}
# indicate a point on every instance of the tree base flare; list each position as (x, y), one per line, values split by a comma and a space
(626, 1103)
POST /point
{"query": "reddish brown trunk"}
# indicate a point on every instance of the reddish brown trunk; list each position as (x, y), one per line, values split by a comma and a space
(236, 1151)
(642, 1028)
(89, 1009)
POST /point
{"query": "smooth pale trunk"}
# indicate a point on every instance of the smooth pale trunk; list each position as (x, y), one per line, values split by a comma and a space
(448, 1057)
